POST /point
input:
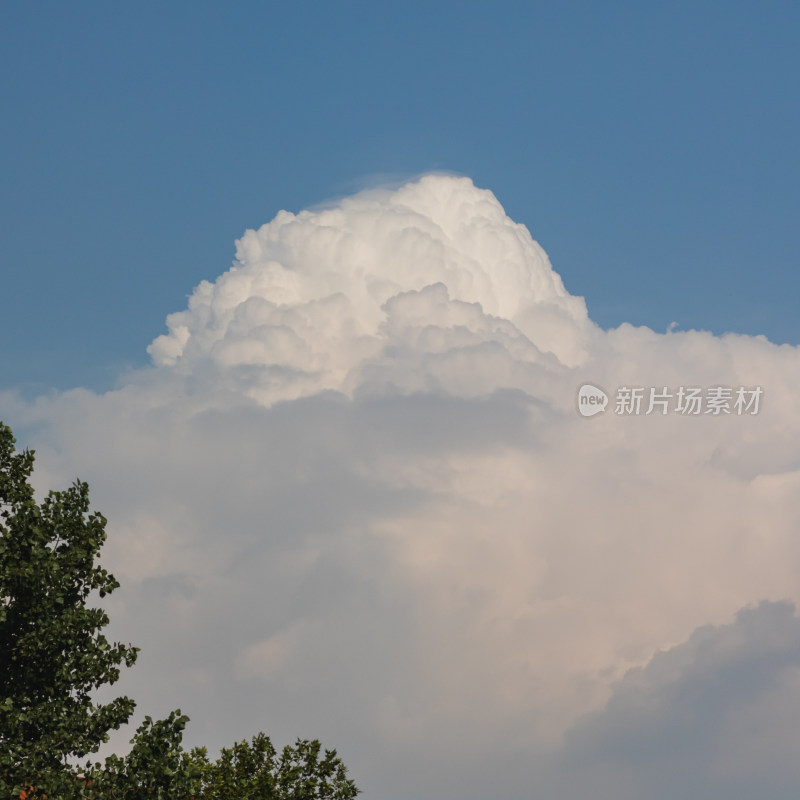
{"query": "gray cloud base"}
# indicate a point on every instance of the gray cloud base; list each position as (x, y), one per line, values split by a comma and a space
(714, 717)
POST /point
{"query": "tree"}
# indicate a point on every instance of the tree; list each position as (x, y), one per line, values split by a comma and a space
(53, 655)
(255, 771)
(156, 768)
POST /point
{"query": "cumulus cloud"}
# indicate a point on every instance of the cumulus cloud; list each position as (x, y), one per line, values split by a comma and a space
(353, 498)
(314, 296)
(714, 717)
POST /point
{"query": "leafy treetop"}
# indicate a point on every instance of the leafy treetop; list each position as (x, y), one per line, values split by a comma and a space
(53, 654)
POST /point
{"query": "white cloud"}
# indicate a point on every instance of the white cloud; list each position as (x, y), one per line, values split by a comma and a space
(714, 717)
(266, 660)
(354, 492)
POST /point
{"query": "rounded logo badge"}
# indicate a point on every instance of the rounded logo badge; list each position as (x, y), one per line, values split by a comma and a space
(591, 400)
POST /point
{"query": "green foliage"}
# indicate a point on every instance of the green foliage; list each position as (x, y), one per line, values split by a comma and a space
(52, 652)
(53, 657)
(255, 771)
(156, 768)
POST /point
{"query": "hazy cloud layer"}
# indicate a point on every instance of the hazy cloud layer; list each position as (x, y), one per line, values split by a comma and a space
(353, 498)
(715, 717)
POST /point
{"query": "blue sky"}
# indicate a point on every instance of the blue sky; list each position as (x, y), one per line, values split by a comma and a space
(650, 148)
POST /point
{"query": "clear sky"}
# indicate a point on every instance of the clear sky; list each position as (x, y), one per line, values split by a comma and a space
(650, 148)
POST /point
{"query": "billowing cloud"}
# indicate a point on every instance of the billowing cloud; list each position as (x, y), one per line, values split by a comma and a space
(717, 716)
(314, 297)
(353, 498)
